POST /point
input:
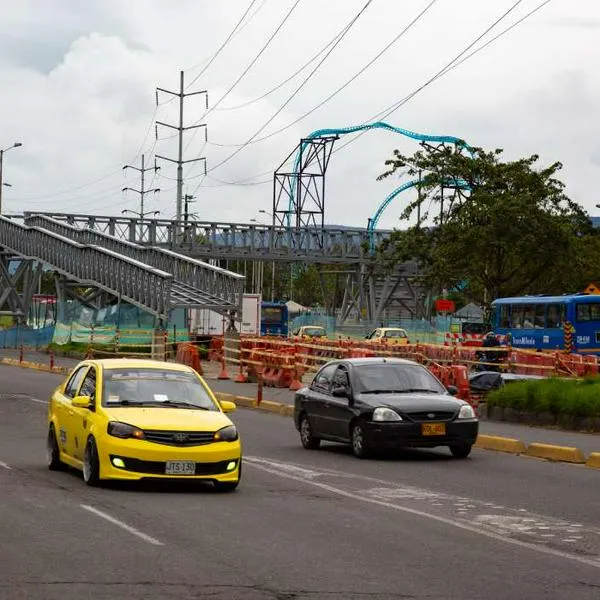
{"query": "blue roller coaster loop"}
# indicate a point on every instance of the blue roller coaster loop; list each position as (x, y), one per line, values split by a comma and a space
(405, 186)
(440, 139)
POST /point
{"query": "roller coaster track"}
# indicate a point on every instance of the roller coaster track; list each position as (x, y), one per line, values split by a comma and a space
(421, 137)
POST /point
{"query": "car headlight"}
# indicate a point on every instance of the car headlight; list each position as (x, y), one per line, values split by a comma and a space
(227, 434)
(124, 430)
(466, 412)
(385, 414)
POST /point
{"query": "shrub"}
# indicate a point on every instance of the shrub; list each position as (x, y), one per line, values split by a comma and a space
(576, 398)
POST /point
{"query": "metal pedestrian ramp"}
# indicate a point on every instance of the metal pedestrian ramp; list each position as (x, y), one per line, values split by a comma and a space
(154, 279)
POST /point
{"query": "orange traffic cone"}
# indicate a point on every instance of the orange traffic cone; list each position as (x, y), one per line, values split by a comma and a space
(296, 384)
(241, 377)
(223, 374)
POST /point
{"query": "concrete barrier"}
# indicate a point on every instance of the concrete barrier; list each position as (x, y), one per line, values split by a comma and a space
(245, 401)
(593, 460)
(269, 406)
(556, 453)
(500, 444)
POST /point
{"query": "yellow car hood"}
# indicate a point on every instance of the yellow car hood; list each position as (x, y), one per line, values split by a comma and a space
(172, 419)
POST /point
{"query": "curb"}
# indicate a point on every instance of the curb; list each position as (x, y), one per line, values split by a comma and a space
(548, 452)
(500, 444)
(26, 364)
(593, 460)
(556, 453)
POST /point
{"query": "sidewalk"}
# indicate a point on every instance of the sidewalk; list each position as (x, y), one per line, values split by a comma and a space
(587, 442)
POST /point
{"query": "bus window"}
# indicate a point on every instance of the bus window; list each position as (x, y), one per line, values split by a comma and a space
(588, 312)
(517, 315)
(505, 315)
(528, 317)
(539, 319)
(556, 315)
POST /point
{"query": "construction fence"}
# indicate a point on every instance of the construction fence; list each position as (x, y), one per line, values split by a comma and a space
(292, 363)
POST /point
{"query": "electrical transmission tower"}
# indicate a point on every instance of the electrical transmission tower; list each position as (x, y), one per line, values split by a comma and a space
(182, 95)
(142, 191)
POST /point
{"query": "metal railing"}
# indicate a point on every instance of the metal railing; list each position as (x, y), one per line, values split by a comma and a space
(201, 284)
(132, 280)
(235, 241)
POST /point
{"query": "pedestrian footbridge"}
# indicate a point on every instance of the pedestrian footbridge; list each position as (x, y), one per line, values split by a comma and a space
(154, 279)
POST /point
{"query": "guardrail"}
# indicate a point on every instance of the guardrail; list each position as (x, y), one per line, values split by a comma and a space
(136, 282)
(217, 288)
(236, 240)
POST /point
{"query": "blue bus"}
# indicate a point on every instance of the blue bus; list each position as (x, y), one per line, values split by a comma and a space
(545, 322)
(274, 319)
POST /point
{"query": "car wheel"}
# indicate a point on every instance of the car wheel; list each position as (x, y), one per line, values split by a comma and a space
(91, 464)
(309, 441)
(360, 447)
(229, 486)
(461, 451)
(53, 452)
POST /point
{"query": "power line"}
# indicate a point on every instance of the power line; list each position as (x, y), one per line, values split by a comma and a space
(222, 46)
(250, 65)
(287, 80)
(342, 87)
(306, 80)
(449, 66)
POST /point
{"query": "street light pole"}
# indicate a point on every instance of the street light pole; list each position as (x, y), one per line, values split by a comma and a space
(15, 145)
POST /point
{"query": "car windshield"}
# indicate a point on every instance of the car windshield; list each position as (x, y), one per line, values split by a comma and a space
(395, 333)
(314, 331)
(396, 378)
(155, 387)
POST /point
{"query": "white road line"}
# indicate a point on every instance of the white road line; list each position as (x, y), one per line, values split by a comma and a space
(122, 525)
(5, 466)
(37, 400)
(353, 496)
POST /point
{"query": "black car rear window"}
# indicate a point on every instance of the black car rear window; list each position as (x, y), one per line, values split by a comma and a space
(394, 377)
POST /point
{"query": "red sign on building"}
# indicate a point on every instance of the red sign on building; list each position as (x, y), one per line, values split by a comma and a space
(443, 305)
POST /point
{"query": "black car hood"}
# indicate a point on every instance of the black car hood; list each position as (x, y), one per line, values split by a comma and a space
(411, 402)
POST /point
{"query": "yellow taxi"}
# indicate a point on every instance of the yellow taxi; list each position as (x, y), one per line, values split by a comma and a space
(137, 419)
(388, 335)
(310, 331)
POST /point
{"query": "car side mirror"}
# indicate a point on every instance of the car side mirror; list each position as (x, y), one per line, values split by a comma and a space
(452, 390)
(340, 392)
(81, 401)
(227, 406)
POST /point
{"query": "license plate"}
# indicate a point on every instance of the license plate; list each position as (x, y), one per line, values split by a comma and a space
(433, 428)
(180, 467)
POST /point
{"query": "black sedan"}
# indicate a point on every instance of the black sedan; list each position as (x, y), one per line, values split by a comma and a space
(381, 403)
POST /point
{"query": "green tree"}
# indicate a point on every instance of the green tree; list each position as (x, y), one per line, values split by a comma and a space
(500, 228)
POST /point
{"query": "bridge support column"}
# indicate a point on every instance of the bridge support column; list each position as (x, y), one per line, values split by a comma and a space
(16, 290)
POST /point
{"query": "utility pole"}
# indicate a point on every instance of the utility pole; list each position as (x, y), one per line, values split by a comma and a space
(142, 191)
(187, 201)
(182, 95)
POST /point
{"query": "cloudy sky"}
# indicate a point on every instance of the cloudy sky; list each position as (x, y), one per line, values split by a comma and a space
(78, 86)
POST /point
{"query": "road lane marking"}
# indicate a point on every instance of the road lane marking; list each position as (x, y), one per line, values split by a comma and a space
(122, 525)
(288, 473)
(22, 397)
(37, 400)
(5, 466)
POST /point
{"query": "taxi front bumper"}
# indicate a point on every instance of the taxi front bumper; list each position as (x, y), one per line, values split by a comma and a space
(132, 459)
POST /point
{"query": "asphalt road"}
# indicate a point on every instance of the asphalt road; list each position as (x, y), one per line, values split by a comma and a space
(303, 525)
(587, 442)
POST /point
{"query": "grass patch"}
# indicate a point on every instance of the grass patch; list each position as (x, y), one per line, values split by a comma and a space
(575, 398)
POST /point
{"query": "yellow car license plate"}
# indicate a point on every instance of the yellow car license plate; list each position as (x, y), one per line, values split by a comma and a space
(180, 467)
(433, 428)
